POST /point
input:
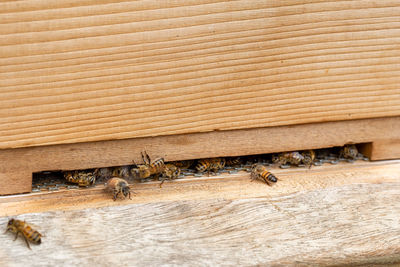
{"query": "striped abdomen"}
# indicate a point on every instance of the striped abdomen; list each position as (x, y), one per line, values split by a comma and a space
(81, 178)
(213, 164)
(268, 177)
(203, 165)
(157, 166)
(32, 235)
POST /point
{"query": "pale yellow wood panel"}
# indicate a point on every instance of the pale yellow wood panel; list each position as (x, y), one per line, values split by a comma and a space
(90, 71)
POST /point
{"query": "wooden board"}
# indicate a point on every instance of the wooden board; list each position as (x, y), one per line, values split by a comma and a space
(19, 164)
(101, 70)
(344, 214)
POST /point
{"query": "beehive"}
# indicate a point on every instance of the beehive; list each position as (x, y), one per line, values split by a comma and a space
(87, 84)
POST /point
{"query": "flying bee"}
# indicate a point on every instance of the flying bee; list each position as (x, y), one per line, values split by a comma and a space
(294, 158)
(349, 152)
(210, 164)
(21, 227)
(261, 173)
(308, 157)
(170, 172)
(118, 186)
(82, 178)
(121, 171)
(233, 161)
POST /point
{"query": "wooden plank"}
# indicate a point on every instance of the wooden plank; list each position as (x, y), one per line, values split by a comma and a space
(232, 186)
(101, 70)
(383, 149)
(191, 146)
(339, 216)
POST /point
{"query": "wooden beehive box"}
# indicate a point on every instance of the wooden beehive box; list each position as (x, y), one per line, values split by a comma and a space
(90, 84)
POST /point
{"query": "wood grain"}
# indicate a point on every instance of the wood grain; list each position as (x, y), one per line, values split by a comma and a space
(101, 70)
(232, 186)
(346, 225)
(384, 149)
(191, 146)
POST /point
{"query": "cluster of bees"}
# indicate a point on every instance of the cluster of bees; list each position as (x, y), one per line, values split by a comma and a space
(117, 178)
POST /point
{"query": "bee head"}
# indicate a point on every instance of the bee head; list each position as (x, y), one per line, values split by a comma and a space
(11, 222)
(125, 190)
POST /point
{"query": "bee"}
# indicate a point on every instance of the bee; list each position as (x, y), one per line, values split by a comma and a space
(140, 171)
(294, 158)
(308, 157)
(82, 178)
(122, 172)
(349, 152)
(103, 173)
(260, 172)
(150, 168)
(21, 227)
(170, 172)
(210, 164)
(118, 186)
(233, 161)
(184, 164)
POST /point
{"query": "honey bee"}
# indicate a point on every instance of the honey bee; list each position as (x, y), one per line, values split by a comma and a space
(261, 173)
(170, 172)
(82, 178)
(122, 172)
(140, 171)
(308, 157)
(210, 164)
(184, 164)
(349, 152)
(233, 161)
(294, 158)
(103, 173)
(150, 168)
(118, 186)
(21, 227)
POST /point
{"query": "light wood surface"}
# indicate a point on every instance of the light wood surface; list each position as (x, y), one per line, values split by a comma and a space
(18, 164)
(232, 186)
(101, 70)
(346, 214)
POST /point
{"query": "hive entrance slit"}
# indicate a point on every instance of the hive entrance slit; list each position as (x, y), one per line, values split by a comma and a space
(223, 166)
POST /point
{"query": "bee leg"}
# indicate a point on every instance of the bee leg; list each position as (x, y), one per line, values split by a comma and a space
(144, 159)
(115, 195)
(162, 181)
(16, 235)
(129, 194)
(266, 181)
(27, 243)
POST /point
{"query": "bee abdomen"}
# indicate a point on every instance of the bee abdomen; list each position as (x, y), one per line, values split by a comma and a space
(157, 166)
(33, 235)
(202, 165)
(269, 176)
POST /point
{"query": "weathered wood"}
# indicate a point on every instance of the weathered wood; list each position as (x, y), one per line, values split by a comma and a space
(348, 225)
(90, 71)
(232, 186)
(190, 146)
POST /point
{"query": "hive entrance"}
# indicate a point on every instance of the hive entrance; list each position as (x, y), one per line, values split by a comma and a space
(56, 180)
